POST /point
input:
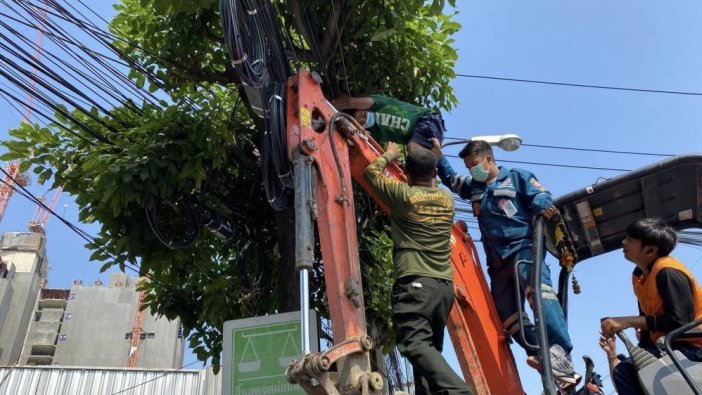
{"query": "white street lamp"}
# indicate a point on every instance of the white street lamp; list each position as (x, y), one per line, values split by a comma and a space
(508, 142)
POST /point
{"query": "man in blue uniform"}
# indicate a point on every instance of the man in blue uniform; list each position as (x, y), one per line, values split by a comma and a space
(506, 201)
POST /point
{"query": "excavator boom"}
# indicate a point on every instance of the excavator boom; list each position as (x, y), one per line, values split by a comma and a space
(329, 151)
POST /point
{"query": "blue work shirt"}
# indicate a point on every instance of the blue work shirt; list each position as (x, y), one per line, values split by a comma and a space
(505, 208)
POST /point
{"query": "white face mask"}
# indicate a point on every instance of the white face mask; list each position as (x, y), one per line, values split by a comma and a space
(370, 120)
(478, 172)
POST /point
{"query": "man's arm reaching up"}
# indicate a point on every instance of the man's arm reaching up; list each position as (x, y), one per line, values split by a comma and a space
(356, 103)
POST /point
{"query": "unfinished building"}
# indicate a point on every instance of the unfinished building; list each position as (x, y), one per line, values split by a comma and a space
(94, 326)
(24, 268)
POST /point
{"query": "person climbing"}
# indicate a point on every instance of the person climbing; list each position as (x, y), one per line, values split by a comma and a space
(392, 120)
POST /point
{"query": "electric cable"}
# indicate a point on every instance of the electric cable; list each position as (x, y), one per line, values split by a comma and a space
(277, 125)
(154, 379)
(278, 66)
(275, 166)
(70, 97)
(316, 51)
(39, 202)
(243, 36)
(276, 194)
(81, 233)
(124, 83)
(559, 147)
(7, 94)
(244, 260)
(84, 78)
(597, 150)
(566, 166)
(338, 40)
(579, 85)
(45, 99)
(555, 165)
(185, 223)
(66, 41)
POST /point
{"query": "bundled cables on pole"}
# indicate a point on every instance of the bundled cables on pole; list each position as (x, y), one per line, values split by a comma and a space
(275, 167)
(276, 128)
(257, 50)
(177, 223)
(244, 36)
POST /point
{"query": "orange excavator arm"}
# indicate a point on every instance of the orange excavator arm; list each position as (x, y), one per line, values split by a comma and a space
(326, 158)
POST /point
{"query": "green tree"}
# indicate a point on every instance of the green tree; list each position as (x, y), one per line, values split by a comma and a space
(204, 143)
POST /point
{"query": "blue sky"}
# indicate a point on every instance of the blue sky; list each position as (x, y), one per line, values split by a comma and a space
(649, 45)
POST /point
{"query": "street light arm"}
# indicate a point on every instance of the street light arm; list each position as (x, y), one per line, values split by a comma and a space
(508, 142)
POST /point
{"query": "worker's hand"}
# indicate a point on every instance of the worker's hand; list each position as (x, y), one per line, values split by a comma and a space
(549, 212)
(436, 147)
(609, 346)
(393, 151)
(611, 326)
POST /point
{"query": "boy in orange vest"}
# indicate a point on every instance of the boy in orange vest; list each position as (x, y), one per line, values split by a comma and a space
(668, 295)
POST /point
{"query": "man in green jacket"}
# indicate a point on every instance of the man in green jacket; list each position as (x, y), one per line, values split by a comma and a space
(389, 119)
(422, 296)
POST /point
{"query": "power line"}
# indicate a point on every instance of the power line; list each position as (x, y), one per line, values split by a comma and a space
(579, 149)
(598, 150)
(555, 165)
(487, 77)
(566, 166)
(154, 379)
(80, 232)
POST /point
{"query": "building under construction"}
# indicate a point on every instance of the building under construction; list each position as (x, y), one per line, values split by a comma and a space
(96, 326)
(22, 272)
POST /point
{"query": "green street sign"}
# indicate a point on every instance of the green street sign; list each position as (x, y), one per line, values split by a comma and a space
(258, 350)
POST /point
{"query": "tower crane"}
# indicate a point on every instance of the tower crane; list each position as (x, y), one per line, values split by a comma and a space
(137, 330)
(41, 218)
(13, 175)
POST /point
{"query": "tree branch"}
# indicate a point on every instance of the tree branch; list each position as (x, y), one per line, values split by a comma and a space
(242, 158)
(229, 76)
(331, 29)
(295, 9)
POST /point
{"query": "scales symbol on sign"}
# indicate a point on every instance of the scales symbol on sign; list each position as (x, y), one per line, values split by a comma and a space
(250, 361)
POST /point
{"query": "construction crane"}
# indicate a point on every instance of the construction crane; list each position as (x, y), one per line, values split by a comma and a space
(137, 329)
(13, 175)
(43, 213)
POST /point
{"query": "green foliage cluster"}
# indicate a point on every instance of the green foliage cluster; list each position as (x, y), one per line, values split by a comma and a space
(200, 140)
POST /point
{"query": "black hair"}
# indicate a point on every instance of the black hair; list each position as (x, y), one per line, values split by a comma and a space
(421, 163)
(653, 232)
(476, 148)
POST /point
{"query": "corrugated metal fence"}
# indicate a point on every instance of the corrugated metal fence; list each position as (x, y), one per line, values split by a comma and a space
(55, 380)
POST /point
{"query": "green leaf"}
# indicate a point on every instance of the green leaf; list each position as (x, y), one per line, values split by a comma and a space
(109, 192)
(140, 81)
(383, 34)
(11, 156)
(437, 6)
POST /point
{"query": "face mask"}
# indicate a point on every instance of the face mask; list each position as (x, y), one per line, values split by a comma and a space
(479, 173)
(370, 120)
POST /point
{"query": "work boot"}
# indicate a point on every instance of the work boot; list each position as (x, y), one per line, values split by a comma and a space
(563, 373)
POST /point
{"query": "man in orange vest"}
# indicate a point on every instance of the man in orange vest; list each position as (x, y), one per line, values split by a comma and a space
(668, 295)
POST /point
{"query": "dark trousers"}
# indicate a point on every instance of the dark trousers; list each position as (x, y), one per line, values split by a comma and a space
(502, 287)
(421, 306)
(428, 127)
(625, 378)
